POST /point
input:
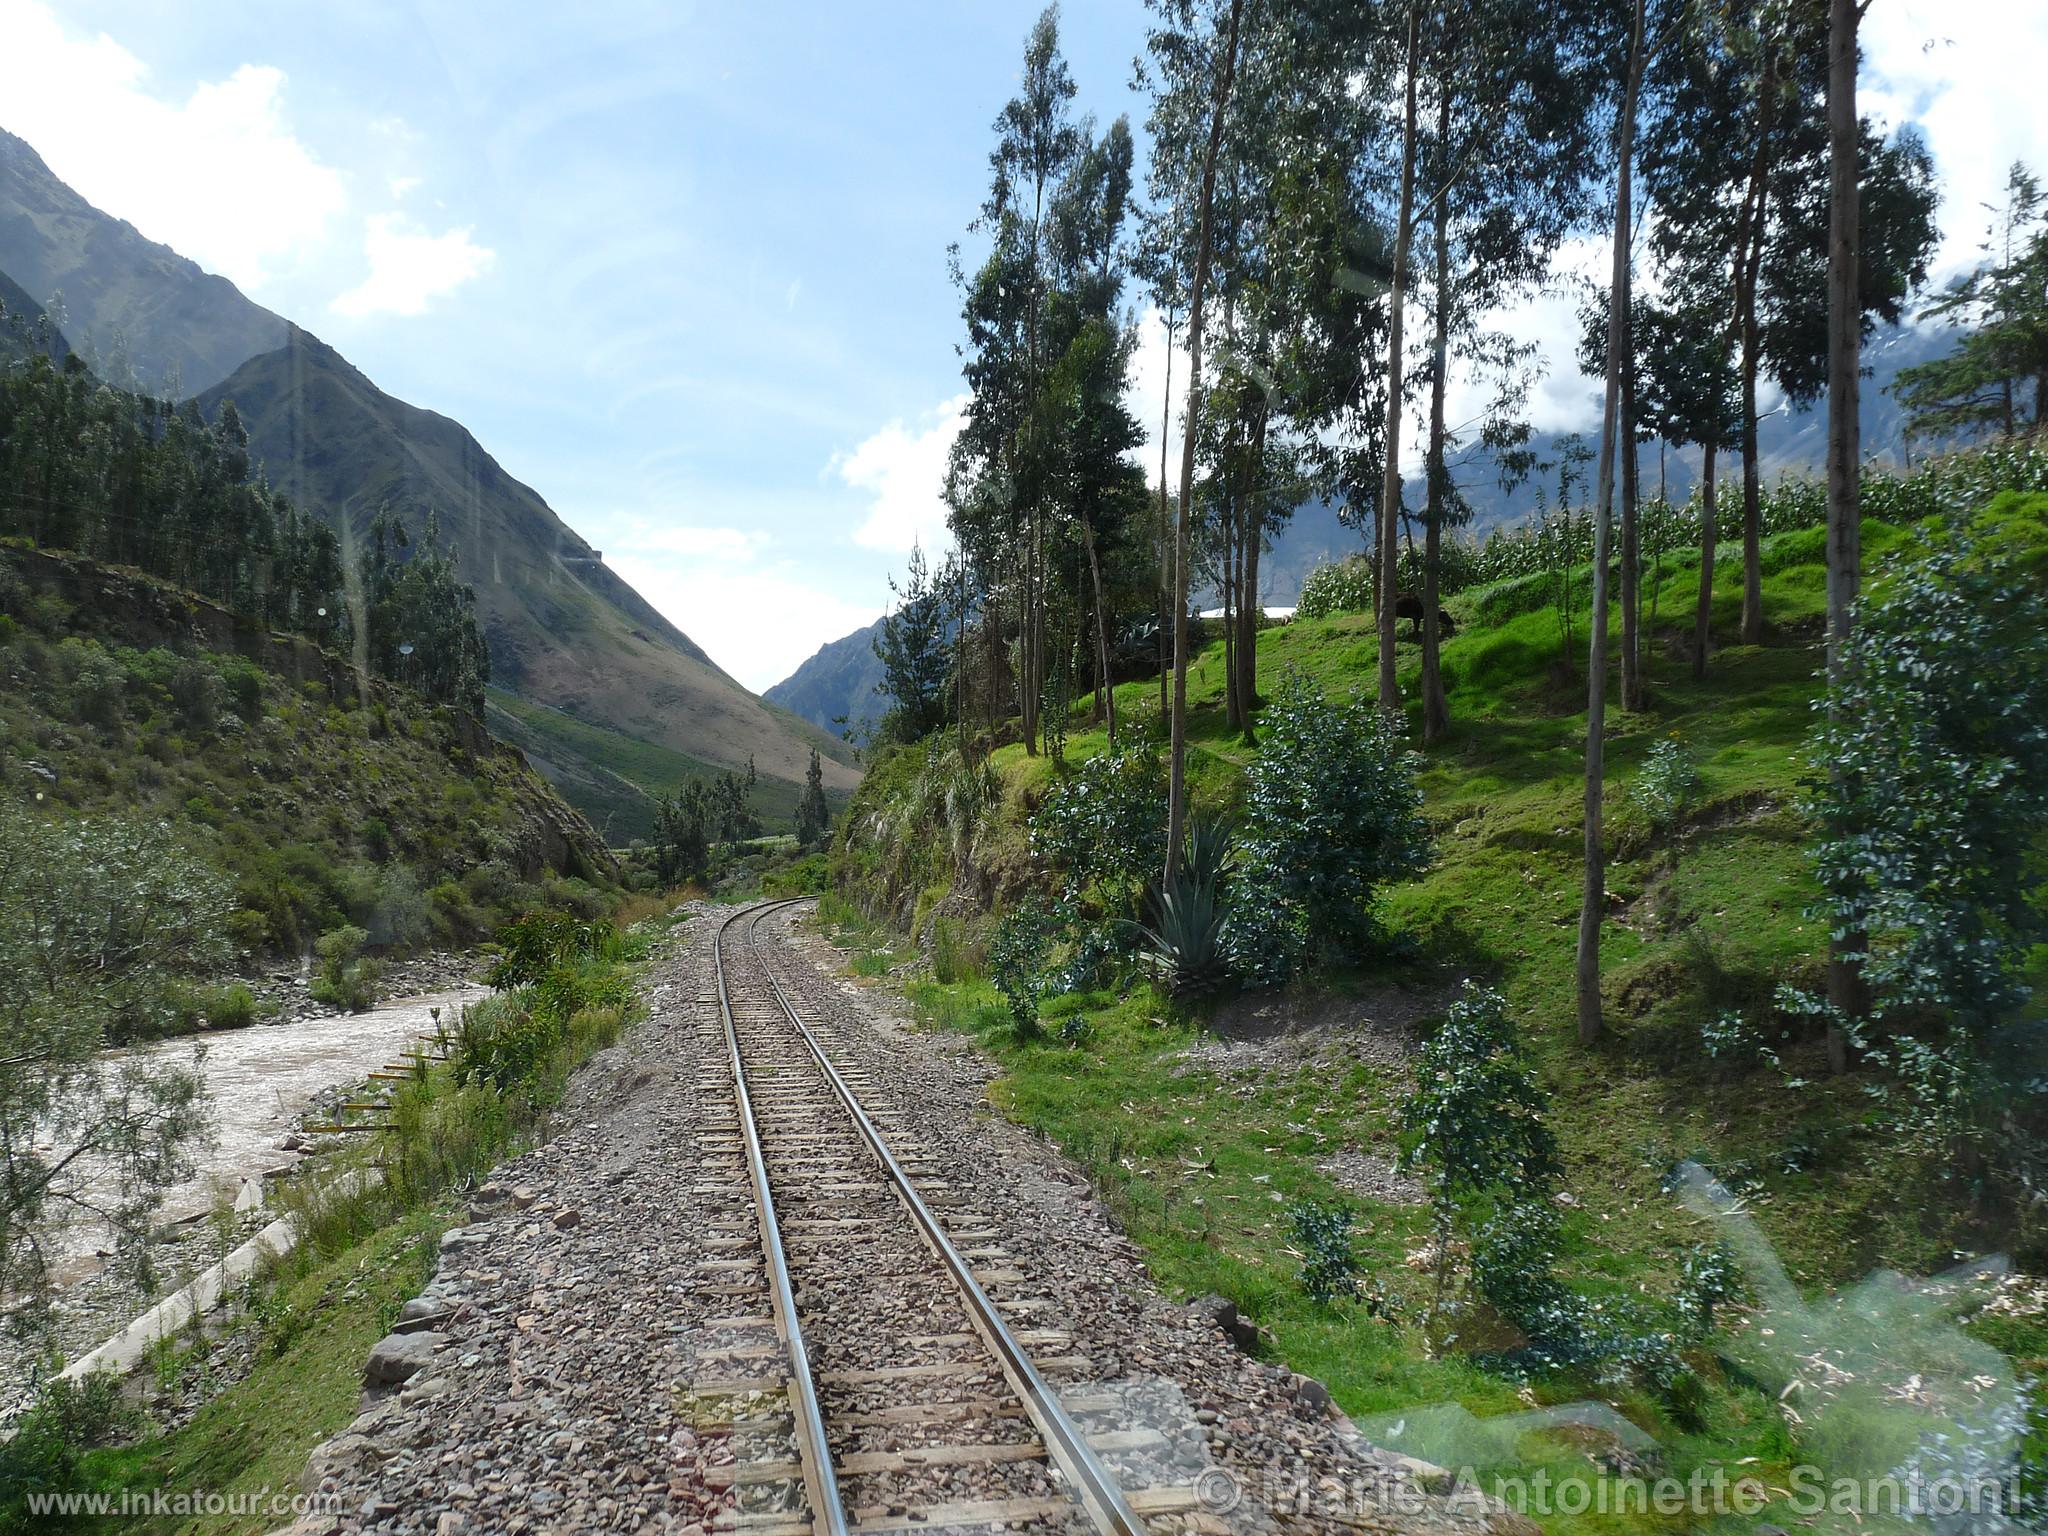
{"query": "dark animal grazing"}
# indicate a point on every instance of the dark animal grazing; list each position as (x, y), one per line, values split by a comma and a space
(1408, 606)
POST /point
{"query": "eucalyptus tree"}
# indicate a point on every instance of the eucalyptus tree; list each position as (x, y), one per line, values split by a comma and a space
(1739, 167)
(1688, 395)
(2001, 310)
(1509, 148)
(1195, 49)
(1593, 900)
(1006, 303)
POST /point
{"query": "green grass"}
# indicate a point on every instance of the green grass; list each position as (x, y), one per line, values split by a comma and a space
(1200, 1168)
(253, 1438)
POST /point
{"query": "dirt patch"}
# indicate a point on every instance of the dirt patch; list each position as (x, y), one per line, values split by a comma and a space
(1264, 1032)
(1373, 1176)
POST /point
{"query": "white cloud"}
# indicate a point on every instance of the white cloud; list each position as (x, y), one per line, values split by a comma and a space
(759, 623)
(409, 270)
(1970, 75)
(902, 468)
(401, 185)
(219, 176)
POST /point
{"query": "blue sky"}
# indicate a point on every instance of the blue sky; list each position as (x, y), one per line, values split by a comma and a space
(683, 268)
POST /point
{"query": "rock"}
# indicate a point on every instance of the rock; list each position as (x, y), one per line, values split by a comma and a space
(347, 1454)
(1223, 1313)
(522, 1197)
(1311, 1393)
(564, 1220)
(399, 1357)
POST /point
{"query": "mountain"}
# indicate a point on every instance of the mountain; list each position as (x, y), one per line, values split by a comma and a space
(125, 298)
(1789, 442)
(586, 669)
(25, 328)
(835, 689)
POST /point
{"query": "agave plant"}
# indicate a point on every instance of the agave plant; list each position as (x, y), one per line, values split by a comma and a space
(1184, 940)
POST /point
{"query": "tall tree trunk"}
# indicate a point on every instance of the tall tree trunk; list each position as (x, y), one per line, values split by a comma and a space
(1107, 695)
(1436, 713)
(1845, 535)
(1251, 534)
(1632, 688)
(1593, 900)
(1177, 751)
(1710, 515)
(1227, 591)
(1397, 298)
(1757, 203)
(1165, 524)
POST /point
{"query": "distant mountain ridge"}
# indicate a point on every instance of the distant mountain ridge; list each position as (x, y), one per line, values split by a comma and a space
(837, 689)
(566, 633)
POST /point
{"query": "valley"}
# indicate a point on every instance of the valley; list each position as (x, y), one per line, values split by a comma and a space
(1425, 911)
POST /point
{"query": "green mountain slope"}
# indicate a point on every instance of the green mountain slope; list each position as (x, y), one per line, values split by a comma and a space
(324, 800)
(565, 632)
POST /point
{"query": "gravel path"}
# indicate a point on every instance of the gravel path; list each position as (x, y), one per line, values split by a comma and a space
(550, 1378)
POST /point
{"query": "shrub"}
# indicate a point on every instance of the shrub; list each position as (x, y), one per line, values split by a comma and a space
(1332, 814)
(1102, 829)
(345, 979)
(1322, 1236)
(230, 1007)
(402, 916)
(1932, 815)
(1730, 1036)
(1668, 784)
(49, 1440)
(1337, 586)
(1474, 1125)
(197, 692)
(956, 956)
(1016, 961)
(1711, 1280)
(539, 943)
(97, 683)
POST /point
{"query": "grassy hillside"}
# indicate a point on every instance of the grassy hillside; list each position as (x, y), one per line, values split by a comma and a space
(326, 799)
(1201, 1145)
(613, 778)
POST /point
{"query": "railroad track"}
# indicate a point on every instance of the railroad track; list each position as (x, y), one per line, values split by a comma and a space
(867, 1370)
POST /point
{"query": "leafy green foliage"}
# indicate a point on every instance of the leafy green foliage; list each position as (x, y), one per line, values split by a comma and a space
(1332, 814)
(1711, 1280)
(1932, 817)
(346, 978)
(813, 815)
(102, 923)
(914, 652)
(131, 480)
(535, 944)
(1668, 784)
(1017, 955)
(1475, 1125)
(1101, 830)
(1322, 1234)
(1337, 586)
(46, 1446)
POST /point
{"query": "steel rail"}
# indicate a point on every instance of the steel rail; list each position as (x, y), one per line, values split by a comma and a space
(821, 1482)
(1100, 1494)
